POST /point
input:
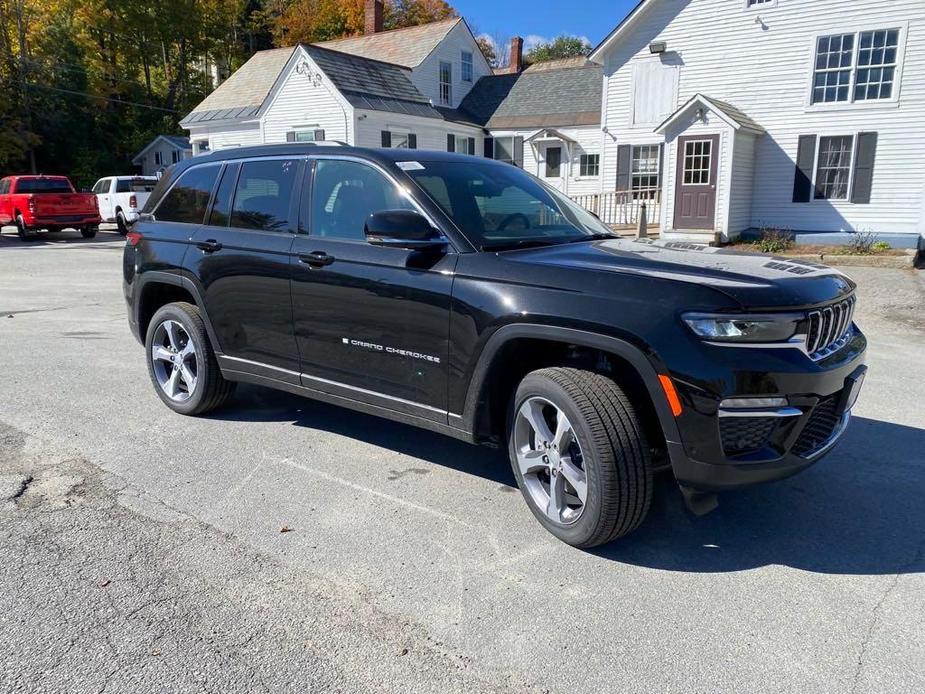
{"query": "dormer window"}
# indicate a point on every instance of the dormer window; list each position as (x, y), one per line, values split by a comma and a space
(466, 66)
(446, 83)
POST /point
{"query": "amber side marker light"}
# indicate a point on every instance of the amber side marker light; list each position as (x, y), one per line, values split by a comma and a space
(671, 394)
(133, 238)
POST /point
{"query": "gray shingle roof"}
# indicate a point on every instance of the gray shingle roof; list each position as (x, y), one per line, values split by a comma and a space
(408, 46)
(242, 94)
(537, 98)
(178, 141)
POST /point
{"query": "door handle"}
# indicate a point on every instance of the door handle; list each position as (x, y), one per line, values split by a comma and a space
(209, 246)
(317, 259)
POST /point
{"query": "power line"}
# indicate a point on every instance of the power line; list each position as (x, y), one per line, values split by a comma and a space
(103, 98)
(78, 68)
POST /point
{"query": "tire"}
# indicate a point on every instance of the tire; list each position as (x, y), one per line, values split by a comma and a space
(611, 459)
(88, 232)
(121, 224)
(25, 233)
(209, 389)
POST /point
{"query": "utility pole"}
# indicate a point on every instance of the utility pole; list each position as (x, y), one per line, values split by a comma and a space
(23, 85)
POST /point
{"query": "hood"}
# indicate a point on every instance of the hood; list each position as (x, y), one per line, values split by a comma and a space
(753, 280)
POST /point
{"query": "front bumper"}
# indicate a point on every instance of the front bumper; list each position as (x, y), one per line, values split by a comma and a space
(724, 448)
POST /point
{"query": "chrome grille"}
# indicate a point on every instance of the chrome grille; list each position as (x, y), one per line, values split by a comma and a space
(829, 328)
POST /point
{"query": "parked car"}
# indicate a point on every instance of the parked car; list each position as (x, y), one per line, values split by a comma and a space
(120, 198)
(461, 295)
(34, 203)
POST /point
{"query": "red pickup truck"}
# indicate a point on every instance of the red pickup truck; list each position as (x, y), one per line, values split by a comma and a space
(33, 203)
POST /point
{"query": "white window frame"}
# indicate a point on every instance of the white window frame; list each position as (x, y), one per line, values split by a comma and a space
(463, 62)
(598, 165)
(713, 153)
(754, 5)
(857, 30)
(658, 166)
(158, 158)
(400, 132)
(447, 85)
(851, 166)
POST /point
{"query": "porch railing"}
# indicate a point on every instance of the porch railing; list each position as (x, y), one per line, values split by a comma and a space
(621, 207)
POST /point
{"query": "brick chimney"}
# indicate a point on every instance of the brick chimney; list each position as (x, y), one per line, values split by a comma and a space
(373, 16)
(516, 62)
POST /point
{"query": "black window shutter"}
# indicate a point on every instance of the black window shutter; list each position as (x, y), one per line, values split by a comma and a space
(864, 168)
(386, 139)
(489, 145)
(519, 151)
(412, 141)
(471, 145)
(661, 164)
(450, 143)
(624, 161)
(803, 176)
(290, 136)
(319, 135)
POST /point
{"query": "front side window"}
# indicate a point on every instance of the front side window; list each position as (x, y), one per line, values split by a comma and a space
(188, 200)
(833, 167)
(446, 83)
(644, 167)
(345, 194)
(263, 195)
(500, 207)
(102, 186)
(855, 66)
(466, 66)
(589, 164)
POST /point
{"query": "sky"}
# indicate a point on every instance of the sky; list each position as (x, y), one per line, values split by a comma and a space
(539, 20)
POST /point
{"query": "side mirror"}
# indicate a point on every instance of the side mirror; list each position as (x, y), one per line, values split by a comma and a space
(402, 229)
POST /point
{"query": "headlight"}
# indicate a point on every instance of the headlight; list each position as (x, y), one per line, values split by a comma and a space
(744, 328)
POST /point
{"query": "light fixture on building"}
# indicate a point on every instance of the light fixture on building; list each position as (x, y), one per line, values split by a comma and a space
(658, 47)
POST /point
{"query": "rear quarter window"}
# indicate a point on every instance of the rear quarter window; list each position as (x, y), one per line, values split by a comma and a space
(187, 201)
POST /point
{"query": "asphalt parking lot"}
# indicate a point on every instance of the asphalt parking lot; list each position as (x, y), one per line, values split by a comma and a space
(141, 551)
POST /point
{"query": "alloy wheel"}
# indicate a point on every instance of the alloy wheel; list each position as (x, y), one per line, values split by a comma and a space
(550, 460)
(175, 362)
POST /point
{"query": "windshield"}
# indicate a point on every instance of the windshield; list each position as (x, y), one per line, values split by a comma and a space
(43, 185)
(499, 206)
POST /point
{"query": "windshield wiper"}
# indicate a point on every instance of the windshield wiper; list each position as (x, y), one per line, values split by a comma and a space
(523, 243)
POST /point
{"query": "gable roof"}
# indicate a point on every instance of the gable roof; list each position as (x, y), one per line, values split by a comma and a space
(726, 111)
(611, 38)
(176, 141)
(243, 93)
(537, 98)
(408, 46)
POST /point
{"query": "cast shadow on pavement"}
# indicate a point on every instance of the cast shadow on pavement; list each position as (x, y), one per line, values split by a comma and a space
(859, 511)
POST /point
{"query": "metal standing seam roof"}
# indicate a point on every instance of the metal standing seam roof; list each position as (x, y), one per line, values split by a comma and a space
(408, 46)
(538, 98)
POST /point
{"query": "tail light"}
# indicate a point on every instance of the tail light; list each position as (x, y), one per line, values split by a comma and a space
(32, 205)
(133, 238)
(133, 202)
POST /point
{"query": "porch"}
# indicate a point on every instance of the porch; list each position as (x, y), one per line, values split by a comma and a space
(621, 209)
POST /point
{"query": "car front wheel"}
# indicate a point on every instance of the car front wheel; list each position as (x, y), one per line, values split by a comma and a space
(579, 455)
(88, 232)
(181, 362)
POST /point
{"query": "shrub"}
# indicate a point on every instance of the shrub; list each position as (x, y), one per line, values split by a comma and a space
(774, 241)
(880, 246)
(861, 243)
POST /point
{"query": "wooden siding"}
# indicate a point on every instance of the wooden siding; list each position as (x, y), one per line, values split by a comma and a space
(764, 68)
(302, 103)
(431, 133)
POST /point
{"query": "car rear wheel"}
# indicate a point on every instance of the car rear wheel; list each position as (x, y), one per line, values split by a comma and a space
(88, 232)
(121, 224)
(25, 233)
(579, 455)
(181, 362)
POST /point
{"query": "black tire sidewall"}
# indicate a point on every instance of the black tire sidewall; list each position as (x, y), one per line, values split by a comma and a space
(579, 532)
(121, 224)
(204, 363)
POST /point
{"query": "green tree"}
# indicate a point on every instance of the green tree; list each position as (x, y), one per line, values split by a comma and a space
(560, 47)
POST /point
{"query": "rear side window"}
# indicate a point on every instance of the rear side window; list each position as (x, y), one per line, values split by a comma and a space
(4, 186)
(222, 203)
(345, 194)
(188, 200)
(263, 195)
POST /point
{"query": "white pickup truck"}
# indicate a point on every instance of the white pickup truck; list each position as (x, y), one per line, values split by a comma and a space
(121, 198)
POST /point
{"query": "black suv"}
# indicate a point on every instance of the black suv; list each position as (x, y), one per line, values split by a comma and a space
(461, 295)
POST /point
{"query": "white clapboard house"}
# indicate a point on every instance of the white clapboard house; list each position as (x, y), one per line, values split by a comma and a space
(422, 87)
(737, 115)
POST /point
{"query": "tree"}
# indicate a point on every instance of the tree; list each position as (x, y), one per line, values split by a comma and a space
(488, 50)
(561, 47)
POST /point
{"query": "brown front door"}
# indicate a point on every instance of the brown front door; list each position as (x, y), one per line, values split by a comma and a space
(695, 188)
